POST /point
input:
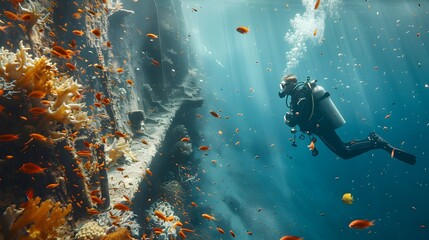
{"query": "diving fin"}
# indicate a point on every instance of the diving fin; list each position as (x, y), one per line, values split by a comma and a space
(402, 155)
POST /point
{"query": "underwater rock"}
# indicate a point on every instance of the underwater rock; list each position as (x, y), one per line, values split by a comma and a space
(136, 119)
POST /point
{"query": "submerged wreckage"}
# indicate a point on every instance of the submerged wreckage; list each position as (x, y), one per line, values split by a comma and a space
(87, 97)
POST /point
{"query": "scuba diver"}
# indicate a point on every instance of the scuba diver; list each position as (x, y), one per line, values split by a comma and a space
(313, 111)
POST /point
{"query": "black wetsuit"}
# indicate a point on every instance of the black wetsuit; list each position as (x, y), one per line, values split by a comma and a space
(306, 114)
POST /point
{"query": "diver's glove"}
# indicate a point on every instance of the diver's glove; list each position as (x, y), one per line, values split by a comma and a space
(289, 119)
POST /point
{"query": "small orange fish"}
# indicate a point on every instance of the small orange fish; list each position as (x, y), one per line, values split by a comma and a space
(8, 137)
(185, 139)
(317, 4)
(207, 216)
(154, 62)
(204, 148)
(57, 54)
(160, 215)
(214, 114)
(392, 154)
(151, 35)
(71, 66)
(37, 136)
(220, 230)
(120, 134)
(53, 185)
(96, 200)
(129, 81)
(93, 211)
(145, 142)
(121, 207)
(291, 238)
(3, 28)
(311, 146)
(120, 70)
(108, 44)
(76, 15)
(128, 199)
(29, 194)
(148, 172)
(120, 169)
(11, 15)
(182, 234)
(94, 192)
(68, 148)
(45, 102)
(99, 66)
(31, 168)
(187, 230)
(87, 144)
(37, 94)
(60, 50)
(232, 233)
(96, 32)
(178, 224)
(1, 108)
(37, 110)
(98, 96)
(242, 29)
(194, 204)
(78, 32)
(84, 153)
(361, 224)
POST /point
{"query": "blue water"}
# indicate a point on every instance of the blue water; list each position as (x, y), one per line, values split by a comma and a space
(372, 56)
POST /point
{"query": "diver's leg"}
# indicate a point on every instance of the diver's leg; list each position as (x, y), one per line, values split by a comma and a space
(350, 149)
(354, 148)
(334, 143)
(395, 152)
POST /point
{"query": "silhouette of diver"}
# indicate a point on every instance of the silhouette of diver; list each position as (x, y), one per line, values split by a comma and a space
(313, 111)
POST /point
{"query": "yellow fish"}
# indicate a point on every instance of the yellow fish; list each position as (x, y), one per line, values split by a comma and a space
(347, 198)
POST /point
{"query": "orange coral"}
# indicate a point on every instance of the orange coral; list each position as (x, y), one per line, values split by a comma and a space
(44, 219)
(120, 233)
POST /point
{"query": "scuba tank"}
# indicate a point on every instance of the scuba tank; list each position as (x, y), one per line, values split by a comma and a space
(326, 106)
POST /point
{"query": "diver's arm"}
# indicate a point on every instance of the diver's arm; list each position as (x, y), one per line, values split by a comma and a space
(298, 111)
(301, 109)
